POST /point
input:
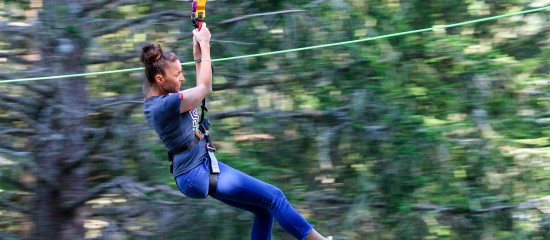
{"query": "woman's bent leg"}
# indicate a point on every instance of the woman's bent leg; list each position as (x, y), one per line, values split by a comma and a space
(263, 220)
(245, 192)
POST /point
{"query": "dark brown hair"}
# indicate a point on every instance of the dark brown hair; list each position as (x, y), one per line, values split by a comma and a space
(155, 60)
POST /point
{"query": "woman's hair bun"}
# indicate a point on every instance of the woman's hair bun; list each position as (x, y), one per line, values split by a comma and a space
(155, 61)
(150, 53)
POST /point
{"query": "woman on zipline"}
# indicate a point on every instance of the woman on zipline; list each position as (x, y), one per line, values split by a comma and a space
(173, 115)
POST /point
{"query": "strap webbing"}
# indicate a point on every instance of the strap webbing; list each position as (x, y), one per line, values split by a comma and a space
(203, 109)
(214, 166)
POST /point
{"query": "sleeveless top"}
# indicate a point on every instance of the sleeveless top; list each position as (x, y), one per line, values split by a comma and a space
(175, 130)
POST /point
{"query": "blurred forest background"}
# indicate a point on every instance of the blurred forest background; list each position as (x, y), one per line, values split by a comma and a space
(435, 135)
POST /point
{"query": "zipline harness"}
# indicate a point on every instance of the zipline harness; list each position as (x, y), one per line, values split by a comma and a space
(198, 13)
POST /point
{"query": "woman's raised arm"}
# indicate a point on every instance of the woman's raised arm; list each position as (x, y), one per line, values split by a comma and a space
(201, 52)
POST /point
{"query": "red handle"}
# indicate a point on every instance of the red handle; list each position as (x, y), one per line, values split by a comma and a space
(200, 25)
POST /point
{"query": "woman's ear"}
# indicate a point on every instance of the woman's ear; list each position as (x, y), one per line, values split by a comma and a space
(159, 79)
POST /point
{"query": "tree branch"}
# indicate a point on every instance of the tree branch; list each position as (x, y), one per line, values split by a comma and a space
(535, 203)
(4, 77)
(484, 126)
(441, 209)
(17, 99)
(41, 176)
(107, 102)
(16, 59)
(94, 5)
(231, 20)
(15, 206)
(431, 207)
(240, 18)
(119, 103)
(18, 184)
(233, 42)
(6, 28)
(29, 121)
(17, 110)
(110, 58)
(121, 25)
(104, 6)
(249, 84)
(138, 191)
(11, 152)
(91, 147)
(17, 131)
(44, 90)
(92, 193)
(55, 105)
(312, 114)
(245, 112)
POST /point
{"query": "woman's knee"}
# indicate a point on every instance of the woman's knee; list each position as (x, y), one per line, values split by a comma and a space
(278, 198)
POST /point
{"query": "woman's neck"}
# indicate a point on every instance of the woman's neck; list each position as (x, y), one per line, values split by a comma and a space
(154, 91)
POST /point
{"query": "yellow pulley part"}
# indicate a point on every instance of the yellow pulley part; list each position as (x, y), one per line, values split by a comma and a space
(200, 12)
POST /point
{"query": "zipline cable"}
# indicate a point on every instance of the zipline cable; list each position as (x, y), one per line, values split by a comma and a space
(288, 50)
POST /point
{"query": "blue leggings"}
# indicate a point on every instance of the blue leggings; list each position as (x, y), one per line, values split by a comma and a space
(242, 191)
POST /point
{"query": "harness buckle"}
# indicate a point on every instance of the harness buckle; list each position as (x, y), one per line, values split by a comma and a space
(204, 125)
(210, 147)
(199, 135)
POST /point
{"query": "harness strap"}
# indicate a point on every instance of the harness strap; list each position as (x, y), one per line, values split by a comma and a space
(204, 133)
(212, 183)
(171, 154)
(204, 126)
(197, 17)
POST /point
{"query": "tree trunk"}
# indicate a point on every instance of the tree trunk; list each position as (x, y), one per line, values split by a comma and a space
(62, 46)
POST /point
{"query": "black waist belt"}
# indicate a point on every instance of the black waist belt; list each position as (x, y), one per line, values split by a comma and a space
(171, 154)
(214, 166)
